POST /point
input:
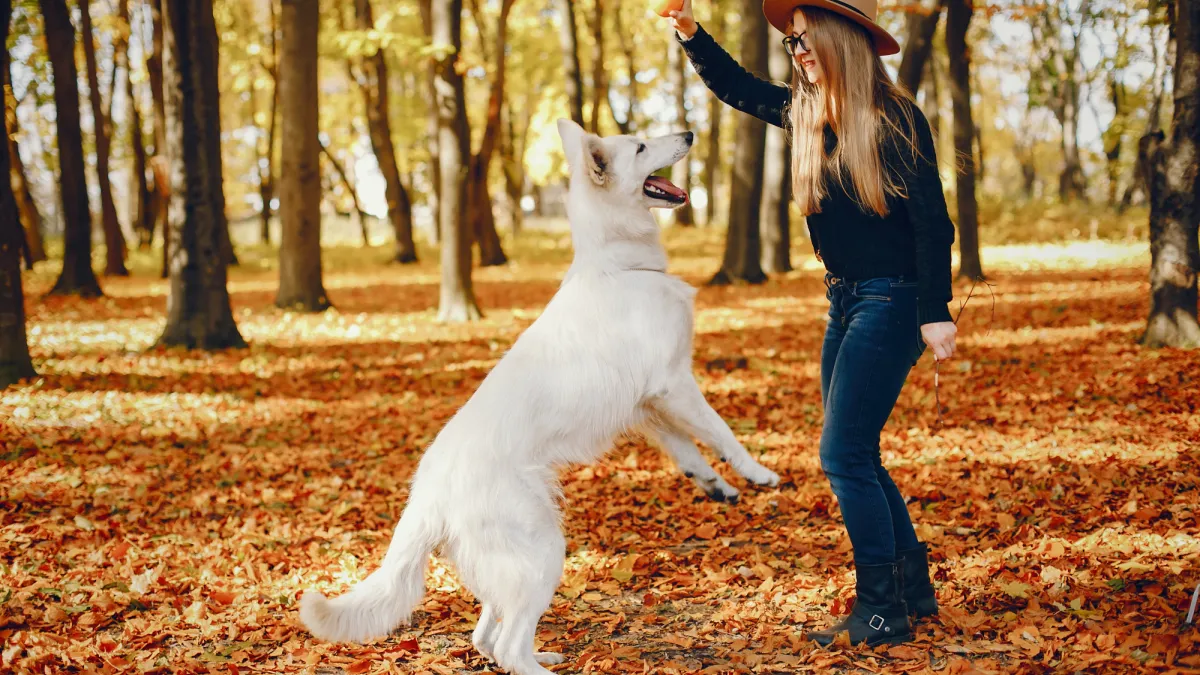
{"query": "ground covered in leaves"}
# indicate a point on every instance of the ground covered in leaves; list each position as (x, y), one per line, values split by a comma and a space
(161, 511)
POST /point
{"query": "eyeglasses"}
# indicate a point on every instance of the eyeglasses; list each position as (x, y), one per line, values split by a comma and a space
(792, 41)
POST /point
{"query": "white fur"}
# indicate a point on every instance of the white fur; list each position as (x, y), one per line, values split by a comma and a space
(611, 354)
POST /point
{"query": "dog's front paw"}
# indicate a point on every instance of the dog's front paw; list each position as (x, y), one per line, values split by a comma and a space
(760, 475)
(719, 491)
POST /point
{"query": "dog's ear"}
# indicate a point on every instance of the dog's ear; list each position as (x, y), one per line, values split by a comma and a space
(596, 158)
(571, 135)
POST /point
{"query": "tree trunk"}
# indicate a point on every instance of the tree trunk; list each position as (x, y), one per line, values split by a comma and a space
(213, 146)
(114, 240)
(479, 199)
(933, 95)
(31, 218)
(1175, 199)
(159, 164)
(15, 364)
(1064, 86)
(349, 185)
(1024, 155)
(716, 112)
(266, 181)
(599, 68)
(630, 125)
(1115, 139)
(514, 174)
(138, 190)
(681, 173)
(376, 99)
(77, 276)
(1138, 182)
(1071, 183)
(958, 20)
(569, 39)
(431, 125)
(742, 260)
(977, 142)
(774, 216)
(300, 284)
(457, 302)
(199, 315)
(920, 26)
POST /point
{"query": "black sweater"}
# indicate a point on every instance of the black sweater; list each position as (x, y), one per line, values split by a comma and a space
(914, 239)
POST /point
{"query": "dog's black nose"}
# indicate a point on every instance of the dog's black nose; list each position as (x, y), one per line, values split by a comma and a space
(689, 137)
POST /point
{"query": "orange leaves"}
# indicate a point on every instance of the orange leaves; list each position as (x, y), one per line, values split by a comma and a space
(163, 510)
(222, 598)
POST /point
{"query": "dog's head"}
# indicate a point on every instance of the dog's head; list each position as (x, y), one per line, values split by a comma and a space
(624, 166)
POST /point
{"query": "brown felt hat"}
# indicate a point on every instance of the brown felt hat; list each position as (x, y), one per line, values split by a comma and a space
(863, 12)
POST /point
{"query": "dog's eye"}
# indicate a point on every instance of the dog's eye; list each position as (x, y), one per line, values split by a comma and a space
(641, 148)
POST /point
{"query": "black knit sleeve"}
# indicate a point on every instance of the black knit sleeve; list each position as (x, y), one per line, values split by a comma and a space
(733, 84)
(926, 205)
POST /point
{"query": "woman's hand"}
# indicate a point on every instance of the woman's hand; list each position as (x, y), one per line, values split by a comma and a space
(940, 338)
(683, 21)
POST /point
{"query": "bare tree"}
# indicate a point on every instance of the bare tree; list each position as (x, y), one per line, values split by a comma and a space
(266, 180)
(600, 67)
(920, 25)
(479, 199)
(454, 148)
(1175, 198)
(199, 315)
(1138, 182)
(15, 364)
(374, 85)
(1057, 84)
(775, 216)
(681, 173)
(569, 39)
(958, 20)
(716, 112)
(138, 190)
(77, 276)
(630, 123)
(31, 217)
(300, 284)
(743, 247)
(114, 240)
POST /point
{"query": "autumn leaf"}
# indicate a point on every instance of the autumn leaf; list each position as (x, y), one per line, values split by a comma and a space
(222, 597)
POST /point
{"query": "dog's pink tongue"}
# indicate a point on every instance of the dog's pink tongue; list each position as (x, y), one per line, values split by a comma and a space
(666, 186)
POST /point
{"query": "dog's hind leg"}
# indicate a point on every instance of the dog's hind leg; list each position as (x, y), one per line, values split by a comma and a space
(684, 406)
(513, 566)
(486, 632)
(689, 460)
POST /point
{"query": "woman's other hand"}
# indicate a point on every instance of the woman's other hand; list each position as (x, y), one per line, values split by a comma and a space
(683, 21)
(940, 338)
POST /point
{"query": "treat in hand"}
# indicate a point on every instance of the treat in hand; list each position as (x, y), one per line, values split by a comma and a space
(664, 8)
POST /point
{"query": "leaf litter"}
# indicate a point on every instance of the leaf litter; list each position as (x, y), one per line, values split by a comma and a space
(163, 510)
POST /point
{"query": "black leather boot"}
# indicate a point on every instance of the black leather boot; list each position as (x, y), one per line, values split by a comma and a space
(918, 591)
(879, 615)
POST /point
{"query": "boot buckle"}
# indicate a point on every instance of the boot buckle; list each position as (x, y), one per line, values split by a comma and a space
(872, 623)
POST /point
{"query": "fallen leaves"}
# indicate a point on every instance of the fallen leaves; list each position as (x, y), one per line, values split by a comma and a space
(163, 510)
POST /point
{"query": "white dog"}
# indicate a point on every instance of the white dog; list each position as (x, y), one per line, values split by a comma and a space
(611, 354)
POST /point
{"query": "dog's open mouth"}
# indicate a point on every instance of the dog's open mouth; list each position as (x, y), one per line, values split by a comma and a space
(661, 188)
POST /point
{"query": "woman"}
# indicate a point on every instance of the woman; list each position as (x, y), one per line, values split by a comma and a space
(865, 175)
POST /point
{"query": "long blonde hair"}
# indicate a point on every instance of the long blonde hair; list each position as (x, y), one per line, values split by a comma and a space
(854, 97)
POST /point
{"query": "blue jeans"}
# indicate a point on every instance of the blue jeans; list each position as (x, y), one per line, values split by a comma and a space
(872, 341)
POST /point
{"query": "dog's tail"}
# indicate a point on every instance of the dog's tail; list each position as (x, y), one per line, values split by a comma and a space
(385, 599)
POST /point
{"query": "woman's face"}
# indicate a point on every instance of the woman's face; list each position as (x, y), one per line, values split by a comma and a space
(805, 59)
